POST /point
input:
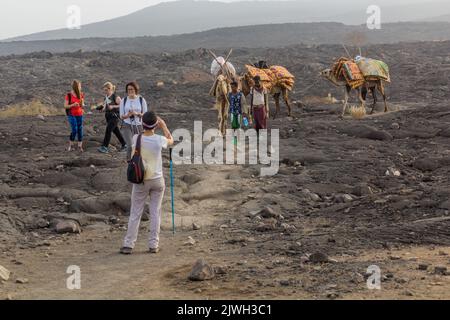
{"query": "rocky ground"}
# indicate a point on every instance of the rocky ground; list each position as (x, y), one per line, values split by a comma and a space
(349, 193)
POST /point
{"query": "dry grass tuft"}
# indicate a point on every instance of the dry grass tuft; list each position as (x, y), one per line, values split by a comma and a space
(32, 108)
(358, 112)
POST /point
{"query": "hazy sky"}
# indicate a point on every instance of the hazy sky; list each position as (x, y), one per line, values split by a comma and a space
(20, 17)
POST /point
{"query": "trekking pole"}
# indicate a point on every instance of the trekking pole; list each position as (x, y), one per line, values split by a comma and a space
(171, 191)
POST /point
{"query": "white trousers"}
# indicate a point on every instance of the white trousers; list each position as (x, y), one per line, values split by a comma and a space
(155, 189)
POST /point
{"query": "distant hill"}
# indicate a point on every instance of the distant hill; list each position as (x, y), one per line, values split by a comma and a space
(274, 35)
(188, 16)
(441, 18)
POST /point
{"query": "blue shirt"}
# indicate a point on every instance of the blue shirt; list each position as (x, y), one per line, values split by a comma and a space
(235, 102)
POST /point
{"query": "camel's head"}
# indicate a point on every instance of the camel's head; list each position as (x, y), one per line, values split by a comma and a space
(222, 86)
(245, 84)
(326, 74)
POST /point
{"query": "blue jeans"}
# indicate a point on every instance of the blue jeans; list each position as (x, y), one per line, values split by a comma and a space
(76, 124)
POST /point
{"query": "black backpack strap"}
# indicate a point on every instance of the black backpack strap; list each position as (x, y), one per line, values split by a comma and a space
(69, 102)
(124, 104)
(137, 150)
(141, 100)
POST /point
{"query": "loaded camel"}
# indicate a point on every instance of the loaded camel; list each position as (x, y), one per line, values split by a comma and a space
(221, 88)
(276, 91)
(372, 85)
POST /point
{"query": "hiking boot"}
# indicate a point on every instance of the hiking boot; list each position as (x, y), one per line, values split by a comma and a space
(154, 250)
(103, 149)
(126, 250)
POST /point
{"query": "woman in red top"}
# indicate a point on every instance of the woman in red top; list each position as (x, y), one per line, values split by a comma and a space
(74, 107)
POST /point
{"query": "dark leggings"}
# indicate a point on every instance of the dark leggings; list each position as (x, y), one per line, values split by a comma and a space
(76, 124)
(112, 127)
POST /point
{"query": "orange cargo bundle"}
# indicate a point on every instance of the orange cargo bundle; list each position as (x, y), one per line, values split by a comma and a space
(347, 70)
(281, 72)
(253, 72)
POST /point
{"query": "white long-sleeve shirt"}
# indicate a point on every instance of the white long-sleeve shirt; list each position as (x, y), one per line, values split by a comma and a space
(133, 105)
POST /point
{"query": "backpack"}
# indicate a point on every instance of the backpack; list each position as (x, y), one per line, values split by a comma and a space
(69, 97)
(136, 168)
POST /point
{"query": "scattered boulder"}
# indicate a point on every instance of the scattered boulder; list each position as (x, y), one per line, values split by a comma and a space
(395, 126)
(408, 293)
(288, 228)
(318, 257)
(312, 196)
(22, 280)
(268, 225)
(268, 212)
(91, 205)
(220, 269)
(423, 266)
(367, 132)
(195, 226)
(426, 164)
(41, 117)
(445, 133)
(362, 190)
(440, 270)
(68, 226)
(42, 223)
(123, 202)
(285, 283)
(4, 273)
(332, 295)
(401, 280)
(445, 205)
(191, 179)
(190, 241)
(393, 172)
(201, 271)
(343, 198)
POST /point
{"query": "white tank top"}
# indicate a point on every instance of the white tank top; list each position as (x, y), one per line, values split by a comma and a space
(258, 98)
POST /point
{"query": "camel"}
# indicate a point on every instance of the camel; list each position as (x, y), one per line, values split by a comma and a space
(276, 92)
(372, 85)
(220, 90)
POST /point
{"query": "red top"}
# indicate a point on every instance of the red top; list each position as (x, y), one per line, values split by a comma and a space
(76, 110)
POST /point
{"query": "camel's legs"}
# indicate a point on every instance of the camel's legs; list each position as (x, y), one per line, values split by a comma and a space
(220, 115)
(380, 87)
(361, 98)
(224, 118)
(286, 100)
(347, 94)
(276, 96)
(374, 95)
